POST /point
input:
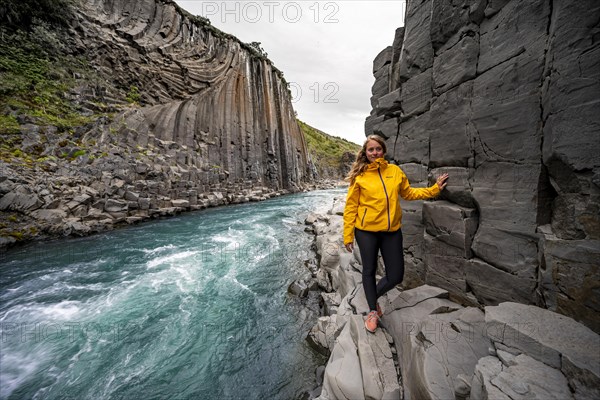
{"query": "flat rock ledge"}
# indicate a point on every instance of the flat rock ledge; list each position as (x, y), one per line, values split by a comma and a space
(430, 347)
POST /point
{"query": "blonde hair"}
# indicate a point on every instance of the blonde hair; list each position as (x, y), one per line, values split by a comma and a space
(360, 164)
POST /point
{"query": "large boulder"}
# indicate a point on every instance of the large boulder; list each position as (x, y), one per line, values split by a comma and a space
(412, 143)
(456, 65)
(437, 340)
(551, 338)
(451, 223)
(417, 50)
(22, 198)
(448, 127)
(445, 350)
(517, 377)
(569, 94)
(492, 285)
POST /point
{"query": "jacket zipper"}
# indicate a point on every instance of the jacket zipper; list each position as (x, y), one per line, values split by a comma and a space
(387, 199)
(363, 218)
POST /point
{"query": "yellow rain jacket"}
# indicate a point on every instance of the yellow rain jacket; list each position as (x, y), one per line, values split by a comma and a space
(372, 202)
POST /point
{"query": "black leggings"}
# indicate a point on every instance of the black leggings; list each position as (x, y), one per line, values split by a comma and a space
(390, 244)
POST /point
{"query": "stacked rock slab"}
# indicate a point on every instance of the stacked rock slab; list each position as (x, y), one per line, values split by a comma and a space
(443, 349)
(500, 95)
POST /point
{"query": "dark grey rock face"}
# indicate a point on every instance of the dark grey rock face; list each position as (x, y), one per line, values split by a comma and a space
(504, 96)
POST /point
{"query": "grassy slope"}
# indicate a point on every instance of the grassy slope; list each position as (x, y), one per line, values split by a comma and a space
(326, 151)
(42, 84)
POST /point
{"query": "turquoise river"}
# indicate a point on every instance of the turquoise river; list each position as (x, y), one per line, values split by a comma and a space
(190, 307)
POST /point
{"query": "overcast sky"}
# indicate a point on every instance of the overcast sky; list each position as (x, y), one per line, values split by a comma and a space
(324, 48)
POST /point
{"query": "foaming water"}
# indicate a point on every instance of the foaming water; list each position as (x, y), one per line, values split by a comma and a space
(170, 259)
(189, 307)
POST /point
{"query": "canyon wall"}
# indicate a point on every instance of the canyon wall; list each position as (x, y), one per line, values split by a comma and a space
(201, 88)
(504, 96)
(183, 116)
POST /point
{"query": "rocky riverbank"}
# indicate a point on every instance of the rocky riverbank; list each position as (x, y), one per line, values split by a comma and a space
(88, 196)
(430, 347)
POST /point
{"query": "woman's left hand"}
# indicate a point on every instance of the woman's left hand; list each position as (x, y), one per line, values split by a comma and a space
(441, 181)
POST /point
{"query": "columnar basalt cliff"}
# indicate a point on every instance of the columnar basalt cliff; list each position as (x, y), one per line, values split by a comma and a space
(504, 96)
(211, 123)
(204, 90)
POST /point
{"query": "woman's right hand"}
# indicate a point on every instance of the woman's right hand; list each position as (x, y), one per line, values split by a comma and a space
(350, 247)
(442, 181)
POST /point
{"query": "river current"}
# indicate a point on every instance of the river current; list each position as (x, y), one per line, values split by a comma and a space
(191, 307)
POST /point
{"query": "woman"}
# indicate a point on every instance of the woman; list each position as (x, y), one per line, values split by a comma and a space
(372, 215)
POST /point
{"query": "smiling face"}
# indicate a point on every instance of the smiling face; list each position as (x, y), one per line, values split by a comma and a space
(373, 150)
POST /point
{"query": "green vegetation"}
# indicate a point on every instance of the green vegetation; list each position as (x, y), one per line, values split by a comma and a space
(133, 96)
(13, 226)
(256, 47)
(34, 82)
(9, 124)
(42, 82)
(16, 234)
(326, 151)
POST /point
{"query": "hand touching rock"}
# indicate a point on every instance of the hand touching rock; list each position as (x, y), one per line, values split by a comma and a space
(441, 181)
